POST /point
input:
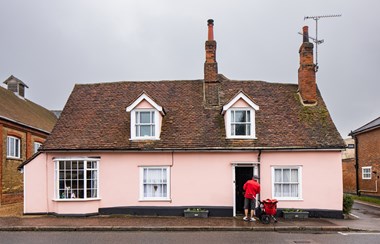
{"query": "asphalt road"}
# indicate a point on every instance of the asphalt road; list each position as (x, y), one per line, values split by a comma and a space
(185, 237)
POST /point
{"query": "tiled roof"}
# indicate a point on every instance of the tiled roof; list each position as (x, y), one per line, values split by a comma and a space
(22, 111)
(95, 118)
(369, 126)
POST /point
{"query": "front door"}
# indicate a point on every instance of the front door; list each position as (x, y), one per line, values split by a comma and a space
(242, 174)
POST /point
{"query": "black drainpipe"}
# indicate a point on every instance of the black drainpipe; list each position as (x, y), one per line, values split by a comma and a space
(357, 166)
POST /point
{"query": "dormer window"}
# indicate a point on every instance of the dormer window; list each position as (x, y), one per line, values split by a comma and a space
(146, 118)
(239, 116)
(241, 122)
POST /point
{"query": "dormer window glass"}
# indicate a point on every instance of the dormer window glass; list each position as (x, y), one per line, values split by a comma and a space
(145, 123)
(241, 122)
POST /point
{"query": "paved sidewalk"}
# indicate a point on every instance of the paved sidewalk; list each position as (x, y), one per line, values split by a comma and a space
(133, 223)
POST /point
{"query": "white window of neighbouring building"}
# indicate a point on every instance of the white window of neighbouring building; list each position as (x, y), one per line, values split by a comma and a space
(36, 146)
(287, 183)
(154, 183)
(77, 178)
(366, 173)
(13, 147)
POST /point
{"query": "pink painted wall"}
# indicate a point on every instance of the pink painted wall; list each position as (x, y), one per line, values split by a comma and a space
(203, 179)
(322, 186)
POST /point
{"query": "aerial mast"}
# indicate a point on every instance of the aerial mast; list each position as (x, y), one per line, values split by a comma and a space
(316, 40)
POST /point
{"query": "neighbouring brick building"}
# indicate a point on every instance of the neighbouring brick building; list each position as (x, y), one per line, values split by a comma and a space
(348, 167)
(24, 126)
(367, 159)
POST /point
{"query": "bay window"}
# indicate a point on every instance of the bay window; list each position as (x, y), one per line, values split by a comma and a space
(77, 178)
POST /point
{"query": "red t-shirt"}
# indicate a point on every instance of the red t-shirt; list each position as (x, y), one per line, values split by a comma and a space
(251, 188)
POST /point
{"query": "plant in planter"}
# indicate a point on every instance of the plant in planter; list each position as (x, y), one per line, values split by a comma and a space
(291, 213)
(195, 213)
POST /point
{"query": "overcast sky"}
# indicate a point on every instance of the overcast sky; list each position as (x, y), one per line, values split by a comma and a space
(52, 45)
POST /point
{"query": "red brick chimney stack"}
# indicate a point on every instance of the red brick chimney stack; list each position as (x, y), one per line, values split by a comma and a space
(306, 73)
(211, 66)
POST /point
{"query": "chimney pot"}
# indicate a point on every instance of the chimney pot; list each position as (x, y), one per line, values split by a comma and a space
(305, 30)
(210, 24)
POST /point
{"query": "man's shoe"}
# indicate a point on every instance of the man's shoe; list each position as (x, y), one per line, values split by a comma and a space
(252, 220)
(245, 219)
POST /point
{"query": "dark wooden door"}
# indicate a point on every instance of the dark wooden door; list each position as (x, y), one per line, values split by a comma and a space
(242, 174)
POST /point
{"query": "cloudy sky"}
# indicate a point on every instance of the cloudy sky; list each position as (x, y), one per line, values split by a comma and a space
(52, 45)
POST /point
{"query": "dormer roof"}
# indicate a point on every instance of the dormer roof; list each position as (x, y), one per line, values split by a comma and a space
(236, 98)
(145, 97)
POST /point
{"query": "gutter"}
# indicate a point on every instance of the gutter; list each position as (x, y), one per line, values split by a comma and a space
(211, 149)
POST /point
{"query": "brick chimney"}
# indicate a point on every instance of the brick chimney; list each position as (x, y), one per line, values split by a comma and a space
(307, 86)
(211, 66)
(16, 85)
(211, 82)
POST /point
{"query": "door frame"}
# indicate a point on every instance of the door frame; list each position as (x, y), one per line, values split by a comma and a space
(256, 172)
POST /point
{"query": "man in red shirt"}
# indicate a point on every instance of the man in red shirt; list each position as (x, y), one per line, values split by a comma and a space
(252, 188)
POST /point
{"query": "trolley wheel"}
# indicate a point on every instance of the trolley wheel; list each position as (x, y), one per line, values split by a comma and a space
(265, 219)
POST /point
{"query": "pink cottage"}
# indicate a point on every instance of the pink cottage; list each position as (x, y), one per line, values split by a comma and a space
(157, 148)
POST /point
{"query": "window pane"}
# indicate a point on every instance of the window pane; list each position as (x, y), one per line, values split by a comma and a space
(248, 117)
(286, 190)
(277, 190)
(145, 130)
(294, 175)
(286, 175)
(144, 117)
(277, 175)
(240, 116)
(240, 130)
(294, 190)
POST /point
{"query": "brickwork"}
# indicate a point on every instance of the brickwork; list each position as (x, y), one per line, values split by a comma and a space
(349, 175)
(306, 72)
(11, 180)
(368, 144)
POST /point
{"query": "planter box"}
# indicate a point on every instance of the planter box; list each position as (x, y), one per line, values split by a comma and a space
(296, 215)
(195, 214)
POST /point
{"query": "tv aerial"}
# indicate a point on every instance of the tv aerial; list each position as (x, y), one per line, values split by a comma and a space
(316, 40)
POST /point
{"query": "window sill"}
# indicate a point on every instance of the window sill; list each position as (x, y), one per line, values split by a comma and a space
(144, 139)
(288, 199)
(242, 137)
(155, 200)
(13, 158)
(76, 200)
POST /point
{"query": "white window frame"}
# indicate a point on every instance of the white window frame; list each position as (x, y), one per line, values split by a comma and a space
(252, 134)
(134, 124)
(142, 197)
(85, 187)
(299, 168)
(36, 145)
(13, 147)
(367, 175)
